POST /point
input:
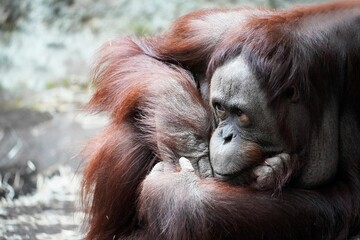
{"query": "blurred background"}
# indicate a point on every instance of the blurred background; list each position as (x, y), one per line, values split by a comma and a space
(46, 50)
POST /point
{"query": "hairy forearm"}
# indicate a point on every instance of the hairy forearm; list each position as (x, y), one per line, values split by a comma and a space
(180, 205)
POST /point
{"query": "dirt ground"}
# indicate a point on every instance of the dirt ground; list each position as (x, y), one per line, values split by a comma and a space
(40, 173)
(52, 212)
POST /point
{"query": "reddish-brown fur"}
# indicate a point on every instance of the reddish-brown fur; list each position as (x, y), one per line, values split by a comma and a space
(156, 89)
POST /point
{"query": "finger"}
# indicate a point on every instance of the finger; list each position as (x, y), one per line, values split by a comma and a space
(264, 178)
(275, 163)
(159, 167)
(185, 165)
(261, 170)
(169, 167)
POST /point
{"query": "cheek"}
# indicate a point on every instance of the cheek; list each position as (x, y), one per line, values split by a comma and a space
(252, 153)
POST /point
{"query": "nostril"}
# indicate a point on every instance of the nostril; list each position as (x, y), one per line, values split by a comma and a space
(227, 134)
(228, 138)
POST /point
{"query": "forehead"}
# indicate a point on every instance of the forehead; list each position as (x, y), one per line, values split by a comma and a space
(235, 83)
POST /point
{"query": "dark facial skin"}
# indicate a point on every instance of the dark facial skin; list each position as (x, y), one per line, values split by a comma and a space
(246, 132)
(247, 148)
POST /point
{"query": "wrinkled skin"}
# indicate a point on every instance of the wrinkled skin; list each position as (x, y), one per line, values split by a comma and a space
(246, 131)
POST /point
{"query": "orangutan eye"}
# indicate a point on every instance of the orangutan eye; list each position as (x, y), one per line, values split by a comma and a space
(239, 113)
(220, 110)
